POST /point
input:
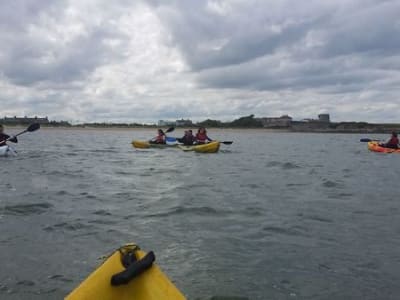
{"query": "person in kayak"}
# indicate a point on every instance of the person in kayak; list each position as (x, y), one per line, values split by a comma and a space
(393, 142)
(201, 136)
(4, 137)
(160, 138)
(188, 139)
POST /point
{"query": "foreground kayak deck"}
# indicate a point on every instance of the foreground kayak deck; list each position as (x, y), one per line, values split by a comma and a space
(374, 146)
(152, 284)
(211, 147)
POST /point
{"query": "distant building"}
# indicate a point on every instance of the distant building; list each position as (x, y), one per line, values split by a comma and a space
(163, 123)
(324, 118)
(24, 121)
(183, 122)
(282, 121)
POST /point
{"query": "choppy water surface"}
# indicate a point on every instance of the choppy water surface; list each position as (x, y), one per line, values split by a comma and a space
(273, 216)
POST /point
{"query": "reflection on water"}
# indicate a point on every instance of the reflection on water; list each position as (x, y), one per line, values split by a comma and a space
(273, 216)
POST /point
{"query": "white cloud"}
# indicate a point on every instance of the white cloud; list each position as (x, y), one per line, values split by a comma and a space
(118, 61)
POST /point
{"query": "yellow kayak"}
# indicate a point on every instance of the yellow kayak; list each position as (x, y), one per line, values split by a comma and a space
(112, 280)
(211, 147)
(145, 145)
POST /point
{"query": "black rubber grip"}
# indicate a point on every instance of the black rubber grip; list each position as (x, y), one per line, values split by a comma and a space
(134, 270)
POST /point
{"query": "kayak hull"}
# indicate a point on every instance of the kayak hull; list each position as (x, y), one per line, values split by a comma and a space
(152, 284)
(211, 147)
(7, 151)
(375, 147)
(145, 145)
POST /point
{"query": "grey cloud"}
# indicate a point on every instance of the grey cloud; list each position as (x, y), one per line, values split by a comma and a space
(208, 40)
(77, 60)
(28, 58)
(286, 45)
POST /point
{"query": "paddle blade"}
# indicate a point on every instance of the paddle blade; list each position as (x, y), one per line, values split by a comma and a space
(170, 129)
(366, 140)
(33, 127)
(227, 142)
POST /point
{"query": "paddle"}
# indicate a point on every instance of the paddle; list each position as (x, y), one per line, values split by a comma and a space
(31, 128)
(170, 129)
(366, 140)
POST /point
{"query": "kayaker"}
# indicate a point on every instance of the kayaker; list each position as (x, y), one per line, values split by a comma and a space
(393, 142)
(201, 136)
(4, 137)
(160, 138)
(188, 139)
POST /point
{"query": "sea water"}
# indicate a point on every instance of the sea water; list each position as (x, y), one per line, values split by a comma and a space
(275, 215)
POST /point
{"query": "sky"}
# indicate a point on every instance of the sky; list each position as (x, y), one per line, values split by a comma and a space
(141, 61)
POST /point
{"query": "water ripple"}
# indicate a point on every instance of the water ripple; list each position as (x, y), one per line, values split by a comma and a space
(27, 209)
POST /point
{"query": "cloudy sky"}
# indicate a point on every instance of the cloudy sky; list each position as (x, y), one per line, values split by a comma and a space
(126, 61)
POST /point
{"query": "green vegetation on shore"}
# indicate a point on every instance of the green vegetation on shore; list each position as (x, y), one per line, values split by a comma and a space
(242, 122)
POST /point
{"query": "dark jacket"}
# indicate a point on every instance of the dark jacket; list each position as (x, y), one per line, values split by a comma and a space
(4, 137)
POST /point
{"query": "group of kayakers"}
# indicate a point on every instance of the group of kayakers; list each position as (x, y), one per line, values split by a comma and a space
(188, 139)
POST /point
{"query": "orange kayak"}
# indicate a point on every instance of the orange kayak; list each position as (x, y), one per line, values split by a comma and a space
(374, 146)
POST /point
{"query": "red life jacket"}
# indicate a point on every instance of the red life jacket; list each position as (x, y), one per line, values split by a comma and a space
(394, 141)
(160, 139)
(201, 137)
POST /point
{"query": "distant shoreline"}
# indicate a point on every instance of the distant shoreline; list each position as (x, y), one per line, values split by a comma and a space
(281, 130)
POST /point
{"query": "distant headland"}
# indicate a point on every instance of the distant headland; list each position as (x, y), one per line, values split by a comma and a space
(282, 123)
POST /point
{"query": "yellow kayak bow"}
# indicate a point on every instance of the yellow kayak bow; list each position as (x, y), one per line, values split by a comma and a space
(127, 274)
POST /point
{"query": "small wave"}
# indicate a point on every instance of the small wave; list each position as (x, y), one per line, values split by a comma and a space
(225, 151)
(226, 298)
(120, 172)
(337, 195)
(318, 218)
(27, 209)
(110, 150)
(103, 222)
(67, 226)
(88, 196)
(273, 164)
(102, 212)
(295, 230)
(330, 184)
(26, 283)
(284, 166)
(253, 211)
(204, 210)
(70, 174)
(289, 166)
(62, 193)
(251, 185)
(71, 154)
(361, 212)
(296, 184)
(59, 277)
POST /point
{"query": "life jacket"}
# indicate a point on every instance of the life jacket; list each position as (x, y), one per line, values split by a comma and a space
(394, 141)
(160, 139)
(201, 137)
(188, 139)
